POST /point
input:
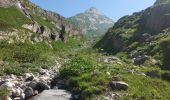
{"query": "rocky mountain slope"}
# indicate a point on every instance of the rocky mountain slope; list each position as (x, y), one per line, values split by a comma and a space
(161, 1)
(93, 22)
(146, 32)
(32, 39)
(35, 23)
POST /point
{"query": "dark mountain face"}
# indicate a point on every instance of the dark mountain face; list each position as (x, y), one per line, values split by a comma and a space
(93, 22)
(146, 31)
(161, 2)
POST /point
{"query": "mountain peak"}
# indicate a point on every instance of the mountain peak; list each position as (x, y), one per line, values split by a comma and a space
(94, 10)
(94, 23)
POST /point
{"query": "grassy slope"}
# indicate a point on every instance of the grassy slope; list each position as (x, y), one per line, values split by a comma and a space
(89, 78)
(12, 17)
(41, 54)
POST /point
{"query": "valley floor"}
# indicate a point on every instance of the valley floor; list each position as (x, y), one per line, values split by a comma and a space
(85, 72)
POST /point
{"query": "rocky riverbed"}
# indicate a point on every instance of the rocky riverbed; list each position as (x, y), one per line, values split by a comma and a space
(32, 85)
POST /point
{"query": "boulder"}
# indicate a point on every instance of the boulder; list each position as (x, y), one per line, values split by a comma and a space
(119, 85)
(153, 74)
(16, 92)
(139, 60)
(41, 87)
(146, 37)
(13, 77)
(29, 77)
(43, 71)
(33, 85)
(8, 85)
(29, 92)
(33, 27)
(111, 59)
(134, 54)
(22, 96)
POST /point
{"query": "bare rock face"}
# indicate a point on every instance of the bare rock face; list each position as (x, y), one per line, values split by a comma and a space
(158, 2)
(6, 3)
(58, 20)
(156, 18)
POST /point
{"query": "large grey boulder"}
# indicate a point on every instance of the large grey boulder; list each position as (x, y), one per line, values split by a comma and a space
(29, 77)
(16, 92)
(39, 86)
(119, 85)
(140, 60)
(29, 92)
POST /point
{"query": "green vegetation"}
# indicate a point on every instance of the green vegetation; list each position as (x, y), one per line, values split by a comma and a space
(20, 58)
(12, 17)
(89, 78)
(43, 22)
(145, 88)
(4, 92)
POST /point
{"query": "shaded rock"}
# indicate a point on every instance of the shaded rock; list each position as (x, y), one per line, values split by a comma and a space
(119, 85)
(153, 74)
(33, 85)
(166, 76)
(29, 77)
(139, 60)
(16, 92)
(28, 92)
(134, 54)
(155, 19)
(41, 87)
(22, 96)
(146, 37)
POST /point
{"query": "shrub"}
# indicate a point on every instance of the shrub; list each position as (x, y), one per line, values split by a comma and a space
(165, 47)
(76, 66)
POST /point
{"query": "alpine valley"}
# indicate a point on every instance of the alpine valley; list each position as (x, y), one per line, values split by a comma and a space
(45, 56)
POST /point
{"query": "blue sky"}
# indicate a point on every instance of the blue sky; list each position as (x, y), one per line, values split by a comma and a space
(114, 9)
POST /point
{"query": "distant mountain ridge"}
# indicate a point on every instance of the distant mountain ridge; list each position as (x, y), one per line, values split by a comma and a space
(93, 22)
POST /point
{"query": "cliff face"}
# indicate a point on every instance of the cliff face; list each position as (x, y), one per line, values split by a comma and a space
(48, 25)
(156, 18)
(7, 3)
(158, 2)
